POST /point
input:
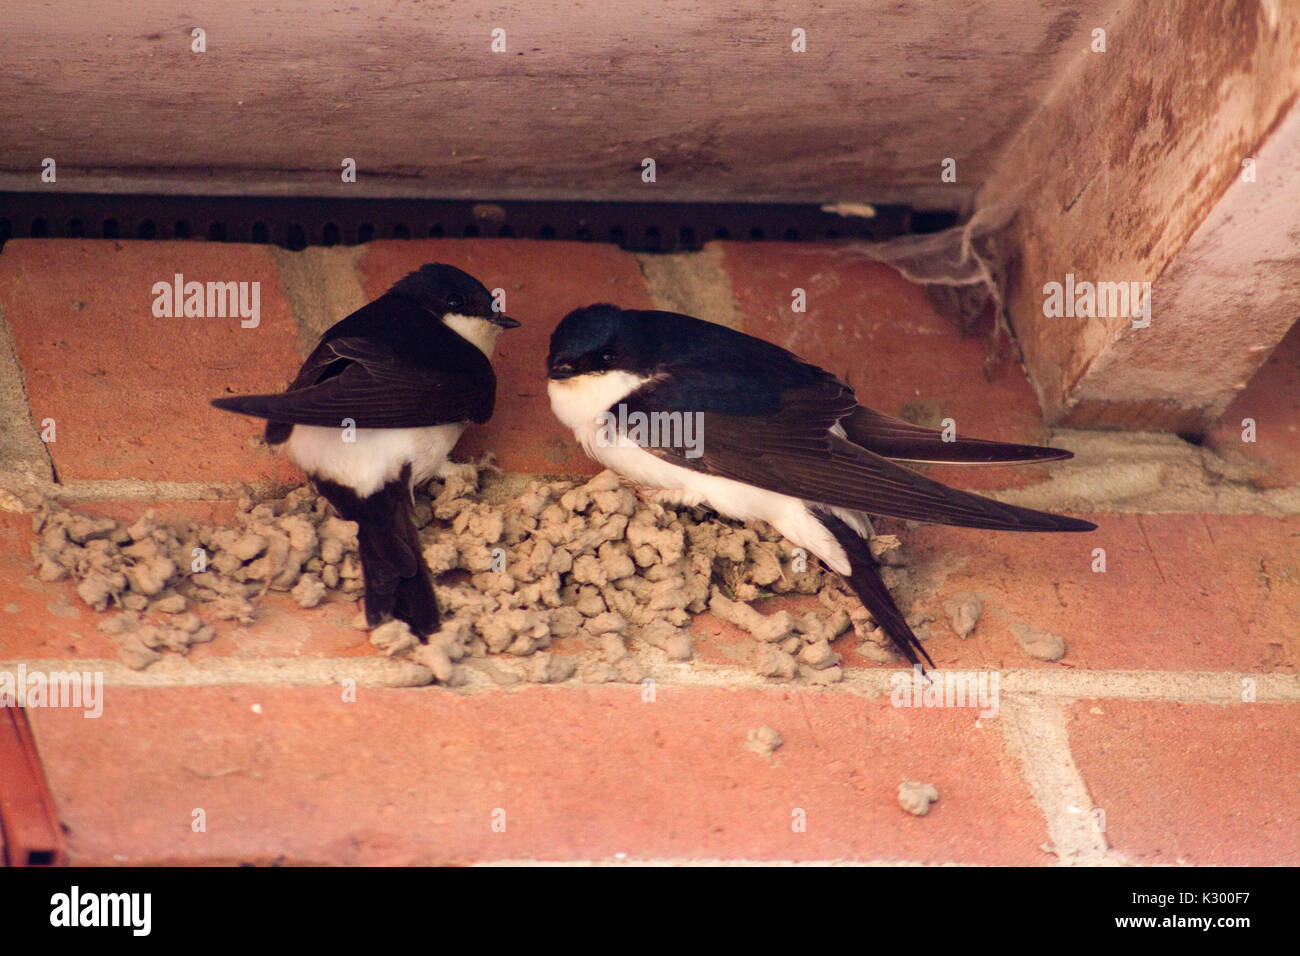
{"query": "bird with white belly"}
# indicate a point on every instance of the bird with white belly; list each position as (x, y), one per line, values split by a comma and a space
(374, 412)
(777, 439)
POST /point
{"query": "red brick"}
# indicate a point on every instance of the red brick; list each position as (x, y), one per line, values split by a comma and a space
(1181, 592)
(129, 392)
(582, 773)
(1193, 783)
(883, 335)
(544, 281)
(1272, 399)
(1262, 574)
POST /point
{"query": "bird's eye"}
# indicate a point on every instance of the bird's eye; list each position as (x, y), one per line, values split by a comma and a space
(607, 358)
(455, 303)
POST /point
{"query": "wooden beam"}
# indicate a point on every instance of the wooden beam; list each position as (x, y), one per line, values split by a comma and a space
(1133, 172)
(582, 93)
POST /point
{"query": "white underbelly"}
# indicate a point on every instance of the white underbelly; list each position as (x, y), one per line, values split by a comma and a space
(375, 458)
(579, 401)
(789, 515)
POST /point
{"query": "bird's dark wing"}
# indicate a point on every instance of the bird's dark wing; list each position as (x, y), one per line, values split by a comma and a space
(790, 449)
(366, 380)
(894, 438)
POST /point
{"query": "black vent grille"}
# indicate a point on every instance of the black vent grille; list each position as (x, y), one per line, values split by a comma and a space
(295, 223)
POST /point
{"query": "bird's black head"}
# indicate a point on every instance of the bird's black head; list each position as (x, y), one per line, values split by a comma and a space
(445, 290)
(602, 338)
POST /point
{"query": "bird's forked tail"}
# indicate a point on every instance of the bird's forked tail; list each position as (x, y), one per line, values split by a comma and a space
(867, 584)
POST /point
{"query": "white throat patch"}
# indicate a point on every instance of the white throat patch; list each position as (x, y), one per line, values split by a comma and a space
(578, 401)
(479, 332)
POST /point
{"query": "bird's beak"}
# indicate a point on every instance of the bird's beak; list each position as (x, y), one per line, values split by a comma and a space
(503, 320)
(561, 370)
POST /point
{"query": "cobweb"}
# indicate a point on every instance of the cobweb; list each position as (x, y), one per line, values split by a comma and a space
(961, 268)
